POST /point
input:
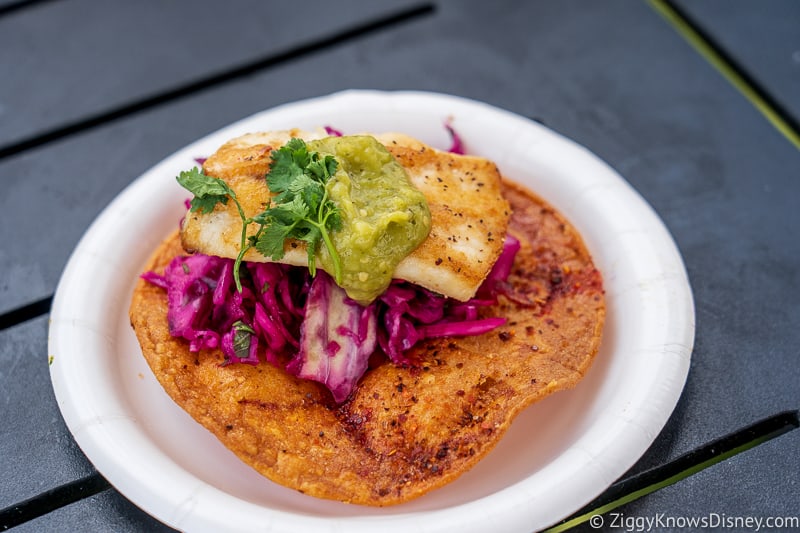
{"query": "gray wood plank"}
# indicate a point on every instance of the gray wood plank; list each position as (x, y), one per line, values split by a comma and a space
(77, 58)
(37, 449)
(762, 37)
(718, 174)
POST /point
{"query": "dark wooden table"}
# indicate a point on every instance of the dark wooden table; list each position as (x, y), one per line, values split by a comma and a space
(695, 103)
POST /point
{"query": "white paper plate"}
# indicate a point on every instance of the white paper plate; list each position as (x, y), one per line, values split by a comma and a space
(558, 455)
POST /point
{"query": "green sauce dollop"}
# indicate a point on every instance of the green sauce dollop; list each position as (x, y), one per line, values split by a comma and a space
(384, 217)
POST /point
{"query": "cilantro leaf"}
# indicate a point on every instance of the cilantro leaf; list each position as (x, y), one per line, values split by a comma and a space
(206, 204)
(242, 337)
(271, 238)
(301, 208)
(312, 237)
(287, 165)
(208, 191)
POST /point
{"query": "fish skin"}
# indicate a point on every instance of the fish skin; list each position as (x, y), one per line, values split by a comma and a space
(469, 215)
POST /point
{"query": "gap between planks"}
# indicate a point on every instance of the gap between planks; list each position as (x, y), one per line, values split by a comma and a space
(51, 500)
(26, 312)
(19, 5)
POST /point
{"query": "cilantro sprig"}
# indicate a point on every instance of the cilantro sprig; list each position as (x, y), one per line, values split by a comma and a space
(208, 192)
(301, 208)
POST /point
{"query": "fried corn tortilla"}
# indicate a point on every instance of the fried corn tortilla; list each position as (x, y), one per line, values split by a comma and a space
(406, 429)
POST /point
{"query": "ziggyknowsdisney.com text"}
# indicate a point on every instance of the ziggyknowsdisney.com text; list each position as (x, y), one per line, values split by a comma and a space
(711, 520)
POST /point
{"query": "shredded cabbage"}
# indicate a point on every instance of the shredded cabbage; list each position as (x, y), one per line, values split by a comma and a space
(458, 146)
(309, 326)
(333, 132)
(410, 314)
(337, 338)
(205, 308)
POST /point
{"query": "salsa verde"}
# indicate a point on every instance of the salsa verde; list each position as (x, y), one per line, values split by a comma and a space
(384, 217)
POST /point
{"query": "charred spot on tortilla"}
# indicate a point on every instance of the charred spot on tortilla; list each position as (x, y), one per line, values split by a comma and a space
(405, 429)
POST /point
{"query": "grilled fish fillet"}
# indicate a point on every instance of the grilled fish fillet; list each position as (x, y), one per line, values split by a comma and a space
(469, 215)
